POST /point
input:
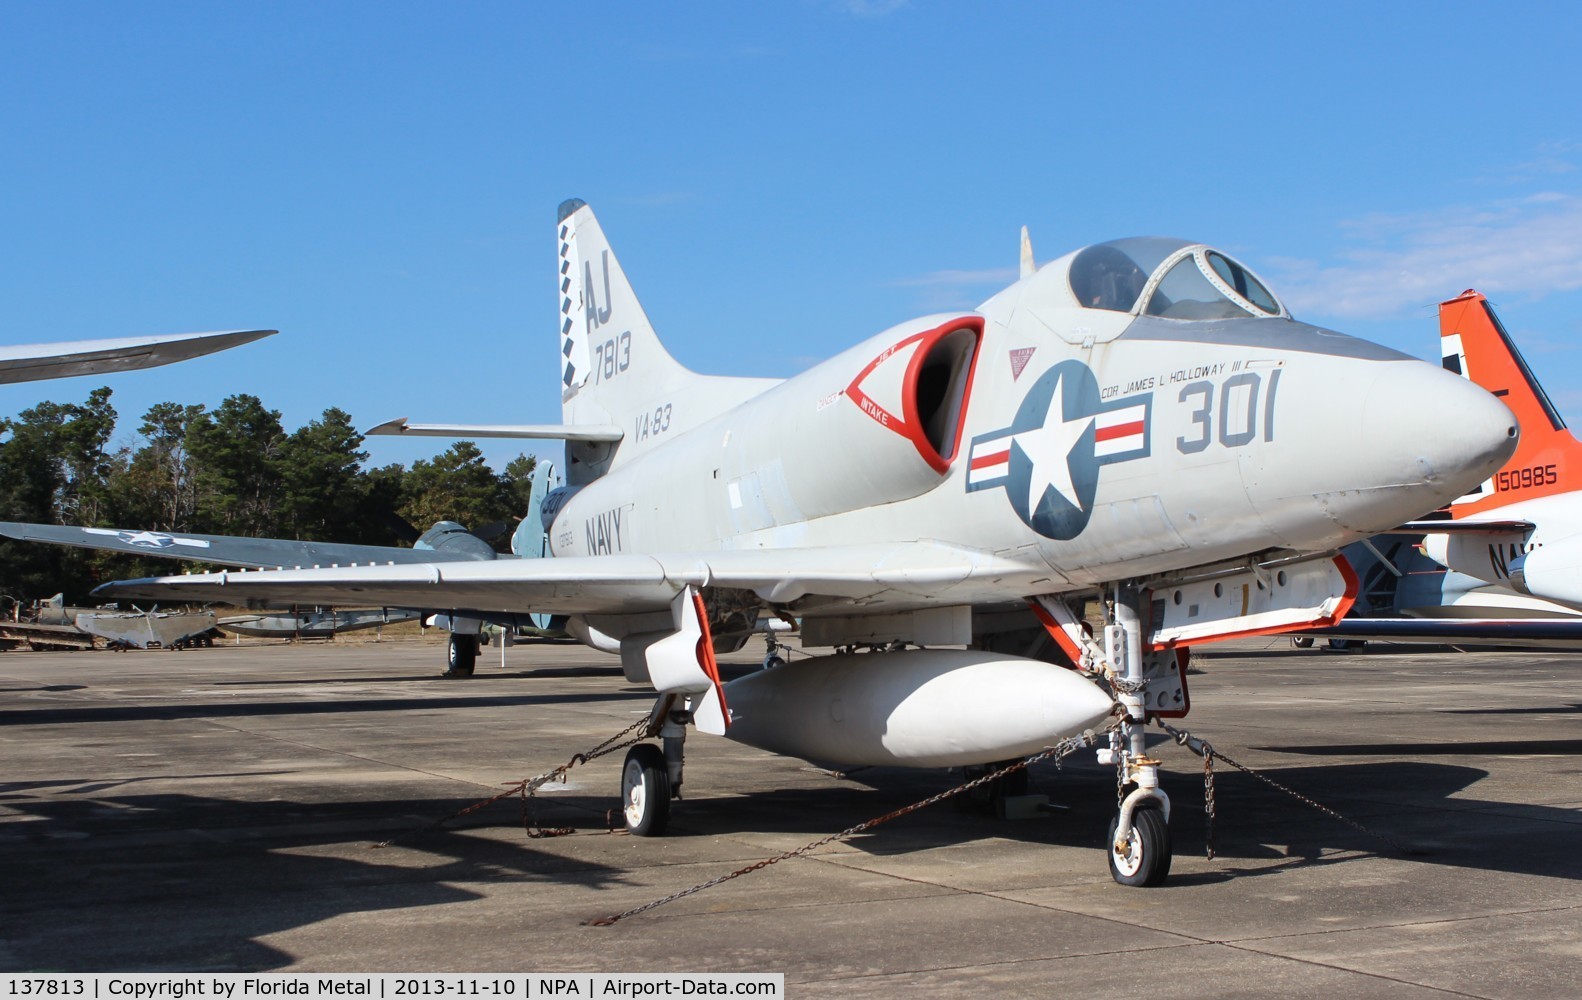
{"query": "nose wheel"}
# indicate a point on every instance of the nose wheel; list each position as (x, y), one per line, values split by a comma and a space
(645, 791)
(1144, 858)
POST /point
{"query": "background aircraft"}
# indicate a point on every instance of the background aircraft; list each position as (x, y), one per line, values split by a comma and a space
(1404, 596)
(1140, 421)
(1522, 527)
(32, 362)
(445, 542)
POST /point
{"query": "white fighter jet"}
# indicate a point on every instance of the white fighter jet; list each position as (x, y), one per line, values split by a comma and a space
(1140, 422)
(1522, 527)
(32, 362)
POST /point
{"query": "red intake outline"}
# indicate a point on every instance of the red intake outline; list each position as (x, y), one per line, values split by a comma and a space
(909, 425)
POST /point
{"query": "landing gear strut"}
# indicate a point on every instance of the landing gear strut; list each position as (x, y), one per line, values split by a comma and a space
(1139, 837)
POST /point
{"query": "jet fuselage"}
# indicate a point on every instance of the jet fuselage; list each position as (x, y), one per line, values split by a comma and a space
(1099, 444)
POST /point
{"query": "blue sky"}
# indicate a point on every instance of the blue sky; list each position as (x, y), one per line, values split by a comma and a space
(379, 181)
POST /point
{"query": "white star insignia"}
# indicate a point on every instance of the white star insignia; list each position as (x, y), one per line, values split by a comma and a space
(1049, 449)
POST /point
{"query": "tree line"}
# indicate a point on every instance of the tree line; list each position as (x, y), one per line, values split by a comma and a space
(233, 470)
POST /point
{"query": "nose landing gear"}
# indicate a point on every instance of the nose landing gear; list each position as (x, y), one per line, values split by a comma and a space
(1143, 857)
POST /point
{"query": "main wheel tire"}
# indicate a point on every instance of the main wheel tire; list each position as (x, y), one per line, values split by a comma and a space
(461, 655)
(1302, 641)
(645, 790)
(989, 798)
(1147, 858)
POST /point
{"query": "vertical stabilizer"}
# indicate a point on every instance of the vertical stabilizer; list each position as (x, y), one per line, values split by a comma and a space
(1548, 459)
(531, 538)
(613, 369)
(607, 341)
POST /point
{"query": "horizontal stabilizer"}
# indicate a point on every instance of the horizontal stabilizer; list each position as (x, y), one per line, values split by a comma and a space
(549, 432)
(31, 362)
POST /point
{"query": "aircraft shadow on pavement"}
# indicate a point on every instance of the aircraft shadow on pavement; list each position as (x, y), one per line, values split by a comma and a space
(110, 878)
(213, 710)
(1421, 806)
(193, 882)
(485, 674)
(1571, 709)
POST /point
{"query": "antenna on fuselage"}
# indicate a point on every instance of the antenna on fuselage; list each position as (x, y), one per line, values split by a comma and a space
(1028, 267)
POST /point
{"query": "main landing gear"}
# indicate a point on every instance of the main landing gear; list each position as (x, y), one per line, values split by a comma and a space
(645, 791)
(461, 655)
(651, 777)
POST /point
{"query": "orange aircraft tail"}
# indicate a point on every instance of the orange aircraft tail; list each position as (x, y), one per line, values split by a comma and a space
(1549, 458)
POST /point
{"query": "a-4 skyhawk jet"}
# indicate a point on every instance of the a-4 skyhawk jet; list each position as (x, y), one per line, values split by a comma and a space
(1140, 421)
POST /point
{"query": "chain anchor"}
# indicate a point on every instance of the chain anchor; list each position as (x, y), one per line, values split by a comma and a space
(528, 786)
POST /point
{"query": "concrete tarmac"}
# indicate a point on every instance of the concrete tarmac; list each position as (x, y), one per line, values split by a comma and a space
(217, 809)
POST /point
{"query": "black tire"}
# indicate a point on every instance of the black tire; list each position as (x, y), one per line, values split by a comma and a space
(990, 798)
(645, 791)
(1147, 860)
(461, 655)
(1302, 641)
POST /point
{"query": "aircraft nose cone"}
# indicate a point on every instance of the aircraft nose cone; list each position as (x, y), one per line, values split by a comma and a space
(1434, 434)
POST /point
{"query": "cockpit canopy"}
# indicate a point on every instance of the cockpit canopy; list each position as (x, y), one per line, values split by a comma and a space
(1170, 278)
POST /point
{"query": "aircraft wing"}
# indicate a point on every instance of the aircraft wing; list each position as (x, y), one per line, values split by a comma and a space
(31, 362)
(400, 426)
(1464, 526)
(1563, 632)
(888, 577)
(225, 550)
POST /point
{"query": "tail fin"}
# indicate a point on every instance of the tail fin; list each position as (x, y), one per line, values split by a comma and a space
(607, 341)
(531, 539)
(614, 370)
(1548, 459)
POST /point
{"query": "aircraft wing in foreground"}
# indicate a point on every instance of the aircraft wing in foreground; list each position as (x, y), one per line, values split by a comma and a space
(32, 362)
(1140, 422)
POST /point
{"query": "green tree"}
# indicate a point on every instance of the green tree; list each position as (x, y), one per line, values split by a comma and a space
(237, 451)
(55, 467)
(518, 482)
(322, 487)
(162, 491)
(457, 485)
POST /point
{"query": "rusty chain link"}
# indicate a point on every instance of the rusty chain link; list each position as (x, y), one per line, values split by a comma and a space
(528, 786)
(1206, 750)
(1208, 801)
(1059, 752)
